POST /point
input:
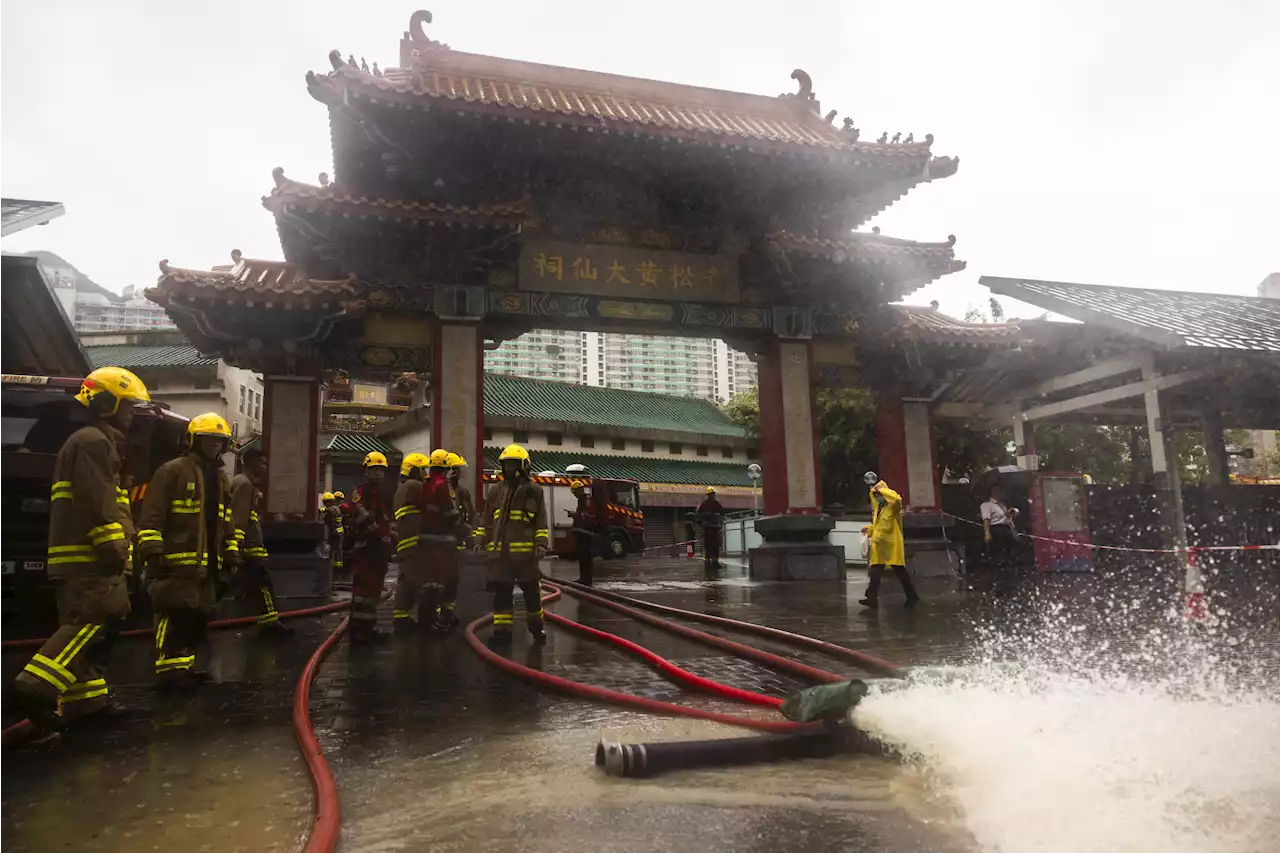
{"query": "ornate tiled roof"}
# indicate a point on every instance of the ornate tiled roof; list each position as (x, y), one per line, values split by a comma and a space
(696, 472)
(134, 356)
(930, 324)
(431, 75)
(869, 247)
(1166, 317)
(331, 197)
(537, 399)
(346, 444)
(250, 277)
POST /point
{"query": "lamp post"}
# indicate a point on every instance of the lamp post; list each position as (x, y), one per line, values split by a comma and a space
(754, 471)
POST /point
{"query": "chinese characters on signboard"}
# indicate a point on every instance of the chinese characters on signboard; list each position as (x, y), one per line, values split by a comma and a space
(618, 271)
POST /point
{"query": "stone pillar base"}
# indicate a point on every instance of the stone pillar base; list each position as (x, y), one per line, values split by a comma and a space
(796, 549)
(796, 562)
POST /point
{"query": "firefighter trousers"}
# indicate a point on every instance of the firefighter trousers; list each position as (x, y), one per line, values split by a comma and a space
(504, 604)
(69, 669)
(368, 573)
(583, 542)
(253, 582)
(181, 609)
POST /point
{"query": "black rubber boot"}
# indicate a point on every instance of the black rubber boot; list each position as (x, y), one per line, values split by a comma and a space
(539, 635)
(42, 712)
(501, 637)
(869, 604)
(404, 627)
(275, 630)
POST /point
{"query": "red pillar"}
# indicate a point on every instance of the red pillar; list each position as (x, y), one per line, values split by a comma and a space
(905, 447)
(458, 397)
(290, 437)
(788, 446)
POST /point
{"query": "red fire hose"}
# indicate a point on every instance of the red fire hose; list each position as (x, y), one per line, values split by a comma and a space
(767, 658)
(600, 694)
(868, 662)
(34, 642)
(323, 837)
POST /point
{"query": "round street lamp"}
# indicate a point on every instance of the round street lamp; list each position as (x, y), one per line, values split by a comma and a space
(754, 472)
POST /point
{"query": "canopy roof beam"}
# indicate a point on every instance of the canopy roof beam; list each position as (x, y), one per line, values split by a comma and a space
(1111, 395)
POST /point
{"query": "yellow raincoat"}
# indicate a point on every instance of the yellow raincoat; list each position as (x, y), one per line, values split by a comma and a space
(886, 528)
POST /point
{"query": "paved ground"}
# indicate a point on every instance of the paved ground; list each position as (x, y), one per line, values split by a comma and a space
(434, 750)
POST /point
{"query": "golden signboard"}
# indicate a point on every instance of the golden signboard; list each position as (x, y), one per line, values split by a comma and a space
(628, 272)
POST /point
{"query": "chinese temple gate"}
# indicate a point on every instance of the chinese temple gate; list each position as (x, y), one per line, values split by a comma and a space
(474, 198)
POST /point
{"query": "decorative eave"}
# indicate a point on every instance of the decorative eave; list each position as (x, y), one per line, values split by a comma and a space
(251, 278)
(290, 196)
(902, 265)
(929, 325)
(432, 76)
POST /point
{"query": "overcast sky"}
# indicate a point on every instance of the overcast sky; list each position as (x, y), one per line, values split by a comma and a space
(1130, 142)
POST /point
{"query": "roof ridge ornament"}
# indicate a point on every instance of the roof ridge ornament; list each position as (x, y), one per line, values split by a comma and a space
(417, 32)
(805, 96)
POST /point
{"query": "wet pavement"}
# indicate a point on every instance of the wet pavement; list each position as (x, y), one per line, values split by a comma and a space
(433, 749)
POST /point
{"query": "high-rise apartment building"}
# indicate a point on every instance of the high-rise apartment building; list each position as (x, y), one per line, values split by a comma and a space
(690, 367)
(93, 308)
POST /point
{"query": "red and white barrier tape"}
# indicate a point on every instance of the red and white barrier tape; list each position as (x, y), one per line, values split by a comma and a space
(1188, 549)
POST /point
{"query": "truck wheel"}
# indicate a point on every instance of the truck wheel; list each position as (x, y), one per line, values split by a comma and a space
(615, 546)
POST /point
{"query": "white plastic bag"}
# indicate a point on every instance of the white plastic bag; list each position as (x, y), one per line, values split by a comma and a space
(866, 546)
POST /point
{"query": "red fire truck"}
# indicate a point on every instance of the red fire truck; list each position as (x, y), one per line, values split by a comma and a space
(621, 530)
(39, 414)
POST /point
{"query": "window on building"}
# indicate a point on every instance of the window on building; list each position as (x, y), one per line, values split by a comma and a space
(588, 441)
(555, 439)
(619, 444)
(646, 446)
(257, 405)
(242, 399)
(676, 449)
(520, 437)
(726, 452)
(702, 450)
(488, 434)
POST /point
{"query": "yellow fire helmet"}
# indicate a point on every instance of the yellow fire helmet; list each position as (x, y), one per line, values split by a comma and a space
(518, 454)
(411, 461)
(439, 458)
(374, 459)
(710, 490)
(210, 423)
(456, 461)
(327, 496)
(576, 484)
(339, 496)
(103, 389)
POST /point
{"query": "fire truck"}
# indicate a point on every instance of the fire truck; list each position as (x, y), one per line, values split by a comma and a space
(621, 520)
(39, 414)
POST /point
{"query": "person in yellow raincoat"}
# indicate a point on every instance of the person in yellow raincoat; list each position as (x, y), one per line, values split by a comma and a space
(887, 550)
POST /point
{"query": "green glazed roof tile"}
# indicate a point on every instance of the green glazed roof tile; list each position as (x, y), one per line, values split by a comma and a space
(516, 397)
(697, 472)
(130, 356)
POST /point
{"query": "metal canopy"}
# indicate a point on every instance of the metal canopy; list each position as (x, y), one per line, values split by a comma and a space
(38, 337)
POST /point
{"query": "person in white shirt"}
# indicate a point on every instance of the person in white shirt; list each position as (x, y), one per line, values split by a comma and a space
(1000, 536)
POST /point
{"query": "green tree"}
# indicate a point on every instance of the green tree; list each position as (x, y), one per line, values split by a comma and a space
(963, 451)
(743, 409)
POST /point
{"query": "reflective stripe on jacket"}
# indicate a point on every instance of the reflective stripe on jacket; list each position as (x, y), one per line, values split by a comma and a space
(246, 501)
(408, 516)
(89, 521)
(514, 518)
(173, 524)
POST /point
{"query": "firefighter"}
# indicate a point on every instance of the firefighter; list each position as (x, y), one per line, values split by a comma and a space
(711, 516)
(370, 527)
(408, 521)
(585, 524)
(253, 578)
(188, 545)
(437, 539)
(465, 506)
(887, 546)
(333, 528)
(514, 534)
(90, 536)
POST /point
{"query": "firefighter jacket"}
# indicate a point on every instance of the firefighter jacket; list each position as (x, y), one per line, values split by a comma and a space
(711, 513)
(886, 527)
(333, 523)
(407, 514)
(90, 527)
(246, 502)
(466, 514)
(173, 522)
(439, 513)
(369, 520)
(514, 518)
(585, 520)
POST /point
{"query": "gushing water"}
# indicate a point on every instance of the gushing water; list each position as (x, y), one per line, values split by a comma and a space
(1115, 733)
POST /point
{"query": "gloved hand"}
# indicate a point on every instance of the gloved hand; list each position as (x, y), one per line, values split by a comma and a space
(539, 551)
